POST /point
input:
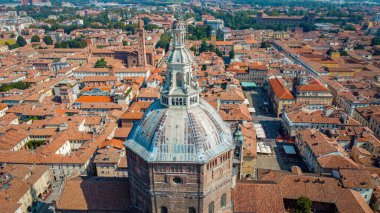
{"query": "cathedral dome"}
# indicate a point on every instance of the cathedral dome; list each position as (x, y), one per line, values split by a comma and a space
(180, 56)
(180, 127)
(170, 134)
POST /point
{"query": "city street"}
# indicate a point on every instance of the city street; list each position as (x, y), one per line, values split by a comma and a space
(271, 125)
(258, 99)
(264, 115)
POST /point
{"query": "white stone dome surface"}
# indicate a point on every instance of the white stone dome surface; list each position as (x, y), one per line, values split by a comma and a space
(176, 134)
(180, 56)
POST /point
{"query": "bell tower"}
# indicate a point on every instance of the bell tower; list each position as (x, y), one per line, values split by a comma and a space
(141, 43)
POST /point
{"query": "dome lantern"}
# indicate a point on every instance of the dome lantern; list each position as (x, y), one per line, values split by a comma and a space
(181, 88)
(179, 34)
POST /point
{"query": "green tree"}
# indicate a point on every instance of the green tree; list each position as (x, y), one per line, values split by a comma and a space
(35, 38)
(349, 28)
(204, 47)
(146, 20)
(101, 63)
(130, 28)
(204, 67)
(232, 54)
(125, 43)
(73, 43)
(273, 13)
(48, 40)
(13, 35)
(265, 44)
(376, 52)
(303, 205)
(21, 41)
(150, 27)
(164, 41)
(343, 52)
(217, 51)
(12, 46)
(14, 85)
(359, 47)
(375, 41)
(307, 27)
(199, 32)
(329, 51)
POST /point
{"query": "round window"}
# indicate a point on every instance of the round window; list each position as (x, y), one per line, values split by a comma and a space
(177, 180)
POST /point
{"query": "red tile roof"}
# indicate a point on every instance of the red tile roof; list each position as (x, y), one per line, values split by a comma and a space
(94, 99)
(258, 198)
(113, 143)
(314, 86)
(279, 89)
(86, 192)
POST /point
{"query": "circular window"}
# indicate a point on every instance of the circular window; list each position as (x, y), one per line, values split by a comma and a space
(177, 180)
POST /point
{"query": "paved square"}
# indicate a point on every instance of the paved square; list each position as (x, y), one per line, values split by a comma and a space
(267, 162)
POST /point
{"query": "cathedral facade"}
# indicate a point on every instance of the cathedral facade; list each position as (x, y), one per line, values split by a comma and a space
(180, 154)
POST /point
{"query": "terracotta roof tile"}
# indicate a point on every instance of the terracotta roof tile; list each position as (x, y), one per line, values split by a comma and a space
(86, 192)
(91, 99)
(258, 198)
(280, 89)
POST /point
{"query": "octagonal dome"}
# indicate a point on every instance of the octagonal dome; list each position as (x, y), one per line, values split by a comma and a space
(180, 56)
(170, 134)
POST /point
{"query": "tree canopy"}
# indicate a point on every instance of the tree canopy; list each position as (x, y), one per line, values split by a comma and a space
(48, 40)
(265, 44)
(21, 41)
(164, 41)
(199, 32)
(74, 43)
(15, 85)
(303, 205)
(146, 20)
(101, 63)
(232, 54)
(35, 38)
(206, 47)
(376, 39)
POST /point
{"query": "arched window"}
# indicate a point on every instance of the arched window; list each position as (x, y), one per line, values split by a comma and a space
(211, 207)
(179, 79)
(223, 200)
(192, 210)
(163, 209)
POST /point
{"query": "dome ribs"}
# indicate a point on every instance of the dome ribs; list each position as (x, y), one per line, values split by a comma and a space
(195, 132)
